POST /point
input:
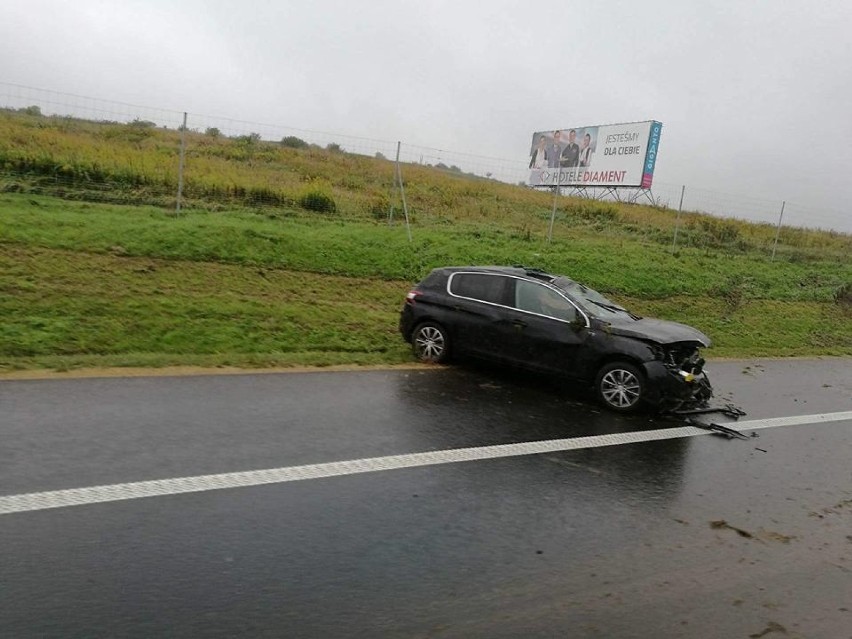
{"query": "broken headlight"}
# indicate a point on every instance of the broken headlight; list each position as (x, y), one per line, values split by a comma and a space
(686, 360)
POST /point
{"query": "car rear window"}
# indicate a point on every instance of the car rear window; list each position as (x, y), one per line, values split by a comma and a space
(479, 286)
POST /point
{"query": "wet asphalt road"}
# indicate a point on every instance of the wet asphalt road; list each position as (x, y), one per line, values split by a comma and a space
(697, 537)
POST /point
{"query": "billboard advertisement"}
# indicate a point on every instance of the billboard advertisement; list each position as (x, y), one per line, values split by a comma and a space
(609, 155)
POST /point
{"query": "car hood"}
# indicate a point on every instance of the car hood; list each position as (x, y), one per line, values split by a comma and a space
(655, 330)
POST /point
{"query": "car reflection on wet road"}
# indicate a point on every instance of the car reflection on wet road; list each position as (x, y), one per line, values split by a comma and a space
(697, 536)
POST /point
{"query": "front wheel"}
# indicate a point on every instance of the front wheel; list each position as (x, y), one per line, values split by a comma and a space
(620, 387)
(431, 343)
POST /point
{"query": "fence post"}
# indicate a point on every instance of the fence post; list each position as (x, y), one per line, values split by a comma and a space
(402, 191)
(393, 188)
(555, 197)
(677, 218)
(778, 230)
(180, 164)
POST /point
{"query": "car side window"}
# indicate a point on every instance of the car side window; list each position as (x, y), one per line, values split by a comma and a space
(537, 298)
(480, 286)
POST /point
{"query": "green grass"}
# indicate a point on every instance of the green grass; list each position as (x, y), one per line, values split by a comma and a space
(283, 256)
(90, 285)
(368, 249)
(64, 308)
(129, 163)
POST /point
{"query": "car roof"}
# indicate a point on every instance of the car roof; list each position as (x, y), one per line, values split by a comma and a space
(516, 270)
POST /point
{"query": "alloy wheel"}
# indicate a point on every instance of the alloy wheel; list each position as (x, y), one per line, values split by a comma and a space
(430, 344)
(620, 388)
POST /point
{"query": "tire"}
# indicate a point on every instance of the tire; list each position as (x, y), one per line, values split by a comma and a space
(430, 343)
(620, 387)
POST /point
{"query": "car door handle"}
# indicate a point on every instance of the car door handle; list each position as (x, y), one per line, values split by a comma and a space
(519, 324)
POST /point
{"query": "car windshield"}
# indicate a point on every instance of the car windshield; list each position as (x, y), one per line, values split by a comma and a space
(592, 301)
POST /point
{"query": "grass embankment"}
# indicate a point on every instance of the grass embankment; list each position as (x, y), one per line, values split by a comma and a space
(106, 285)
(137, 163)
(283, 257)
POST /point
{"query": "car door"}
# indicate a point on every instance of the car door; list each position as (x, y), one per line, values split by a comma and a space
(478, 302)
(543, 330)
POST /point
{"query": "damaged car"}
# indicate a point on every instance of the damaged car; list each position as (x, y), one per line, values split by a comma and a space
(554, 325)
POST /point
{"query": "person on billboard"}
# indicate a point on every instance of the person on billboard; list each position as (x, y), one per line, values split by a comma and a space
(538, 159)
(571, 153)
(586, 151)
(553, 150)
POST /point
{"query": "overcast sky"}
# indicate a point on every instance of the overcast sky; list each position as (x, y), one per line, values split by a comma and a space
(755, 97)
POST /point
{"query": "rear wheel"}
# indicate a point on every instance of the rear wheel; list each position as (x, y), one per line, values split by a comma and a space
(620, 387)
(431, 343)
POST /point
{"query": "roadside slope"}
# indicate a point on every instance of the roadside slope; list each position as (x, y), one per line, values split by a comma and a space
(69, 309)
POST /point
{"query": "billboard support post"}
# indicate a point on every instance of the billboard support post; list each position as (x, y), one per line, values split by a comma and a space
(553, 212)
(677, 218)
(778, 230)
(635, 195)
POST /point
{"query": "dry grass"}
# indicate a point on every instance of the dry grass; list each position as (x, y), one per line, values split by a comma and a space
(132, 163)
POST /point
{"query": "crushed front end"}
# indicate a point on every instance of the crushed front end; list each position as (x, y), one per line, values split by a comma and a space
(676, 377)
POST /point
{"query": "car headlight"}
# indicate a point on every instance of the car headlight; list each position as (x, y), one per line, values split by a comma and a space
(686, 360)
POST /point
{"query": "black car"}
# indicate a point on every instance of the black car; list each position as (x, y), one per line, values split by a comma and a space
(552, 324)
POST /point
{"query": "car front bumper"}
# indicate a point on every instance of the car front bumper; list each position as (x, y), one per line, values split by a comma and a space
(665, 385)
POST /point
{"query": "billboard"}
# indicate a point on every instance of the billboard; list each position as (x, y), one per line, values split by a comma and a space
(607, 155)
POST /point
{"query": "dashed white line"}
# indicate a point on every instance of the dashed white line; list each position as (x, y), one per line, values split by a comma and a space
(135, 490)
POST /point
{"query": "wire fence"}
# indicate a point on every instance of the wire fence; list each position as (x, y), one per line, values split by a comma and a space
(142, 154)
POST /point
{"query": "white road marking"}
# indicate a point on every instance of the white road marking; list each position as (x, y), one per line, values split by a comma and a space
(200, 483)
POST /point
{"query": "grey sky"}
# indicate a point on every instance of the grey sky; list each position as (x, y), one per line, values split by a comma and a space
(755, 97)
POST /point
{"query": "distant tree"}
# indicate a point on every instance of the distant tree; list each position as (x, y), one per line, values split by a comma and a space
(380, 156)
(31, 110)
(455, 169)
(334, 147)
(292, 142)
(142, 124)
(250, 140)
(212, 132)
